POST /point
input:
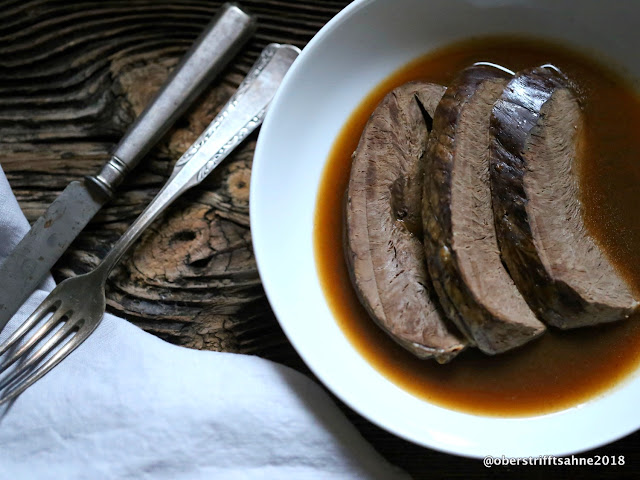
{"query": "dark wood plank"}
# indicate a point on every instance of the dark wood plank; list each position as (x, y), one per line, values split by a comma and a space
(73, 76)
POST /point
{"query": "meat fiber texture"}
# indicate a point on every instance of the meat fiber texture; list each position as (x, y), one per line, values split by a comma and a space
(462, 251)
(383, 230)
(538, 140)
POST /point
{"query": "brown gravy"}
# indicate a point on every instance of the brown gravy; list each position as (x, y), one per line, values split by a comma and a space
(561, 369)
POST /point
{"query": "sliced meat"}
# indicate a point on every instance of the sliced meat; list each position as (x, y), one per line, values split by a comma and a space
(383, 234)
(538, 137)
(473, 286)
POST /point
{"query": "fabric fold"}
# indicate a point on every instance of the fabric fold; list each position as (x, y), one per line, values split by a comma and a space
(126, 404)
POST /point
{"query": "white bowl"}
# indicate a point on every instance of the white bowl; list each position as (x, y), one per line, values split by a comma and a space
(352, 54)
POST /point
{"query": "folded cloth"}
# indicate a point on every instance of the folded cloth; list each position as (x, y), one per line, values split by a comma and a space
(126, 404)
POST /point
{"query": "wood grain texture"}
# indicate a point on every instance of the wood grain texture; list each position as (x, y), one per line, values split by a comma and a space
(73, 76)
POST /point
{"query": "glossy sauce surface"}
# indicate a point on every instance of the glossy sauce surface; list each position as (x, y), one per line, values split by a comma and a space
(562, 369)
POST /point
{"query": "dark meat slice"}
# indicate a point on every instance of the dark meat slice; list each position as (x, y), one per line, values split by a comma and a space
(473, 286)
(383, 231)
(538, 140)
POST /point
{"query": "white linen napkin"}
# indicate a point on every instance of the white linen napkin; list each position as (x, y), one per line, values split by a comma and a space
(126, 404)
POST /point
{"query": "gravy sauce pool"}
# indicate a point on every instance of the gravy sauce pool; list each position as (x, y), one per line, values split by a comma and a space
(561, 369)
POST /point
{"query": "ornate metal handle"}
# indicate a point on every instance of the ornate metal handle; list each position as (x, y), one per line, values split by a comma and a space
(242, 114)
(218, 43)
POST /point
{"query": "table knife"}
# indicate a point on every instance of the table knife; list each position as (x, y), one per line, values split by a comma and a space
(29, 263)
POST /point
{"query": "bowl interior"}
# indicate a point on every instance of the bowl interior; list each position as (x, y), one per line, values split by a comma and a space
(352, 54)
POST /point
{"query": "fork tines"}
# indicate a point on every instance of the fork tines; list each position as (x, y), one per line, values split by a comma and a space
(53, 330)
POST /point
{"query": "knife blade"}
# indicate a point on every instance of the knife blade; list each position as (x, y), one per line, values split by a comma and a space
(29, 263)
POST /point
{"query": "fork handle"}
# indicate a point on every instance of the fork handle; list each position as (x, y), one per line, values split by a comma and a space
(242, 114)
(219, 42)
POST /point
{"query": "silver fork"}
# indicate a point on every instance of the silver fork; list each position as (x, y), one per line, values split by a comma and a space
(77, 305)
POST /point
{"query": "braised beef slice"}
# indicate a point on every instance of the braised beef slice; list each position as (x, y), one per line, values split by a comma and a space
(538, 137)
(383, 244)
(464, 261)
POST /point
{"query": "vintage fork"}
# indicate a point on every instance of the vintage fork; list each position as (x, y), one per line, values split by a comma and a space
(77, 305)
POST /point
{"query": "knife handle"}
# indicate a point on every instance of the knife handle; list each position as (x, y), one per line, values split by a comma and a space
(242, 114)
(221, 39)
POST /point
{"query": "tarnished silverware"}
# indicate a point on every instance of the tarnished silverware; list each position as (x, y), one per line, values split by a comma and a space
(29, 263)
(77, 305)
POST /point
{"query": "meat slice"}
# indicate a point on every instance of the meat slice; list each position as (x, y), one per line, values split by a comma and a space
(383, 231)
(473, 286)
(537, 142)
